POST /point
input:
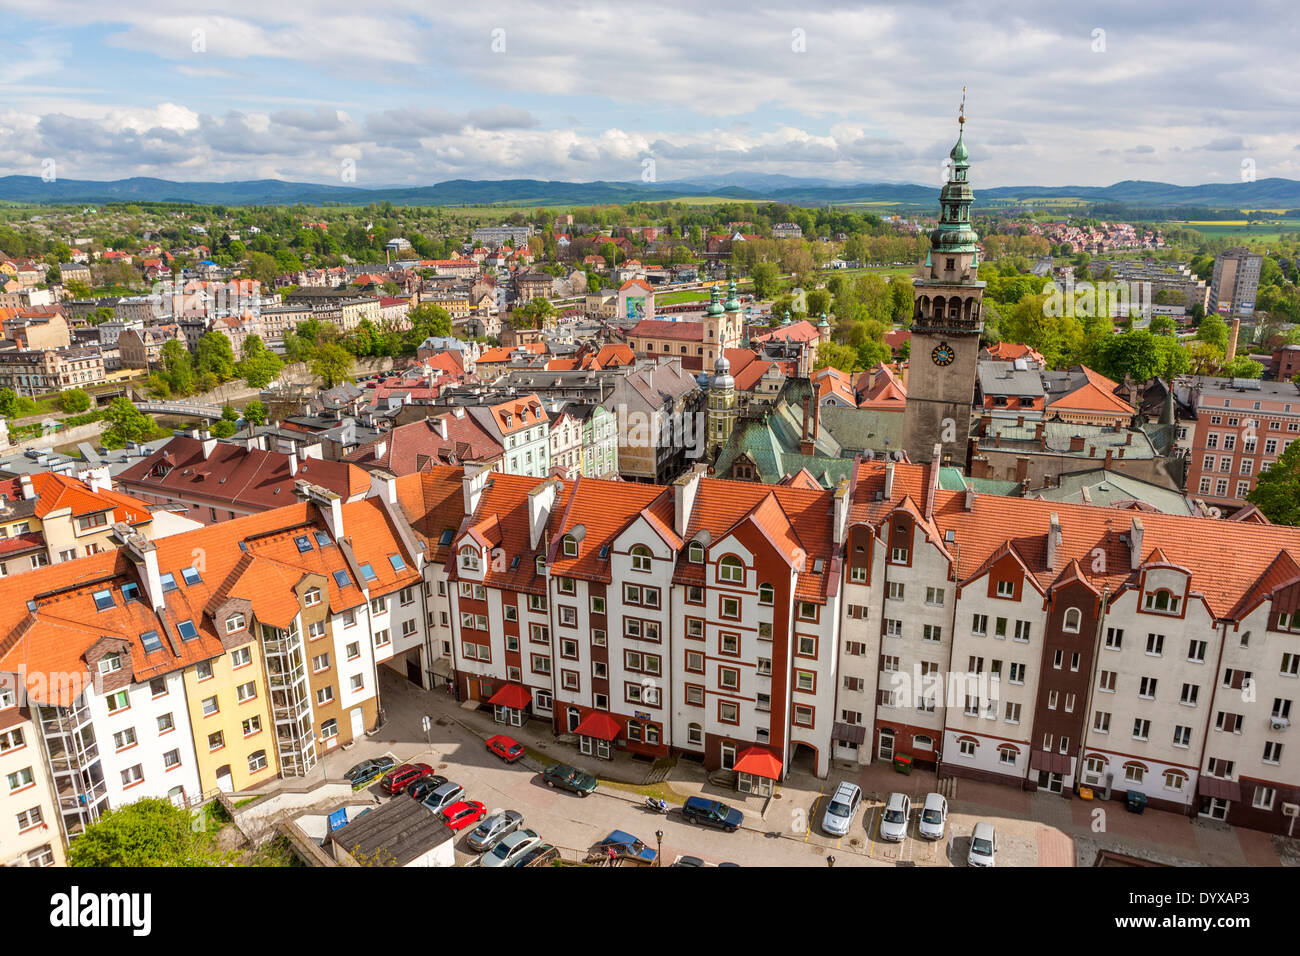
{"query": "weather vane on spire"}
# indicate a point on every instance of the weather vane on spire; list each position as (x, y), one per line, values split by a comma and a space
(961, 112)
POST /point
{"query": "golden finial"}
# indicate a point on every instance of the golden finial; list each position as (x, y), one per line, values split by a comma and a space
(961, 112)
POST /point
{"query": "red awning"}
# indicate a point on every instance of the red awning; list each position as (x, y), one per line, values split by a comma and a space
(1219, 788)
(598, 725)
(514, 696)
(760, 762)
(1051, 762)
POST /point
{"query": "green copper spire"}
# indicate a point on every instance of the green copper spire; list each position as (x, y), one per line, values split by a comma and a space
(823, 324)
(715, 302)
(954, 233)
(733, 300)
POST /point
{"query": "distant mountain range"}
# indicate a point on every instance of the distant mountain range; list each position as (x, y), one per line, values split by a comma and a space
(1263, 194)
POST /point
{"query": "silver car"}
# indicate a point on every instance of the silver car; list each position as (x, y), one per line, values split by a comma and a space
(492, 830)
(893, 821)
(511, 848)
(934, 817)
(843, 805)
(440, 798)
(983, 846)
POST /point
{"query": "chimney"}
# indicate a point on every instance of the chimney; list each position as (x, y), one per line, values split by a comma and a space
(685, 489)
(209, 446)
(841, 512)
(144, 555)
(328, 503)
(1135, 543)
(1128, 438)
(28, 491)
(1109, 452)
(1039, 430)
(440, 426)
(1232, 341)
(816, 416)
(1020, 421)
(293, 463)
(1022, 468)
(805, 446)
(1053, 541)
(472, 483)
(383, 485)
(1076, 443)
(889, 481)
(540, 501)
(970, 498)
(381, 448)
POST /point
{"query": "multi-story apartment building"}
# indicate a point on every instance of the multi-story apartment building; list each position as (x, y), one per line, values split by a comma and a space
(1235, 281)
(33, 371)
(211, 660)
(29, 820)
(522, 428)
(1242, 428)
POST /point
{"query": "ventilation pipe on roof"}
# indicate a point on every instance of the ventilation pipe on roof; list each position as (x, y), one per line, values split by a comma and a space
(209, 445)
(1053, 541)
(472, 483)
(328, 503)
(144, 555)
(841, 512)
(889, 481)
(25, 481)
(440, 426)
(541, 500)
(1135, 543)
(684, 492)
(383, 485)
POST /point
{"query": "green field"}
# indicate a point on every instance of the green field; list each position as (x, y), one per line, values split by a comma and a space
(1266, 231)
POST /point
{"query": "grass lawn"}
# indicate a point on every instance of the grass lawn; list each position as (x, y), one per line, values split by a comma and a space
(673, 298)
(660, 790)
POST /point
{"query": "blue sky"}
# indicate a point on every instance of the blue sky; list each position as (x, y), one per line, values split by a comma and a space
(418, 92)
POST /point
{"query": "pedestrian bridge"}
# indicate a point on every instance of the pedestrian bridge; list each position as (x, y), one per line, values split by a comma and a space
(181, 409)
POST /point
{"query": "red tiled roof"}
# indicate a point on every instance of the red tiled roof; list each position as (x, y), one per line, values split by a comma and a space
(663, 329)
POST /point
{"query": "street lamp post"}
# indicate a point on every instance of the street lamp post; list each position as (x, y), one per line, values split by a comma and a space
(659, 856)
(830, 861)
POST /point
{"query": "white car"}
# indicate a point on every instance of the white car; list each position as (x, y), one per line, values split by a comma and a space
(934, 817)
(983, 845)
(893, 821)
(510, 849)
(842, 807)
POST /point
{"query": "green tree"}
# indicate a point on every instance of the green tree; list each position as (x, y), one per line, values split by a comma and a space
(126, 423)
(178, 367)
(8, 402)
(332, 364)
(1277, 491)
(260, 365)
(1242, 367)
(766, 279)
(214, 354)
(255, 415)
(842, 357)
(1213, 330)
(74, 400)
(152, 832)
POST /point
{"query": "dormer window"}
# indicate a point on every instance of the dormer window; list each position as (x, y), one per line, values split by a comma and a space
(110, 663)
(730, 569)
(695, 552)
(469, 559)
(570, 546)
(1162, 601)
(541, 564)
(1006, 589)
(234, 623)
(1073, 618)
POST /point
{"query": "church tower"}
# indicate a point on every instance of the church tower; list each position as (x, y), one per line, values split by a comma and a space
(946, 326)
(722, 406)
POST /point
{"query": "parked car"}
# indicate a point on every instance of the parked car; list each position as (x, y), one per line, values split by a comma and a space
(893, 822)
(368, 771)
(540, 854)
(689, 861)
(983, 845)
(491, 831)
(398, 779)
(426, 785)
(934, 817)
(511, 849)
(463, 813)
(507, 748)
(841, 809)
(626, 846)
(712, 813)
(442, 797)
(569, 778)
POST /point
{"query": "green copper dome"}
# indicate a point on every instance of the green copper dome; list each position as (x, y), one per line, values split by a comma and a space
(733, 301)
(823, 324)
(959, 152)
(715, 303)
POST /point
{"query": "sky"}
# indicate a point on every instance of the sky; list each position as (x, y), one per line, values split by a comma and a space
(415, 92)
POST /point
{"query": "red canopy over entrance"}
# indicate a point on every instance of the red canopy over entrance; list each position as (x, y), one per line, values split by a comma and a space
(514, 696)
(599, 725)
(760, 762)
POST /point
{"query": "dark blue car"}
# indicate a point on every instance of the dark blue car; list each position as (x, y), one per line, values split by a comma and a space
(712, 813)
(626, 845)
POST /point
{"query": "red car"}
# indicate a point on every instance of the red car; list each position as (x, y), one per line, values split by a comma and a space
(507, 748)
(463, 814)
(399, 778)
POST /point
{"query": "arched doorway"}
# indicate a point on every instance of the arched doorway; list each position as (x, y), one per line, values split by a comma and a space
(803, 759)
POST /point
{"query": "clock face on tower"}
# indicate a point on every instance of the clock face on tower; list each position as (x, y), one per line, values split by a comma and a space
(943, 355)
